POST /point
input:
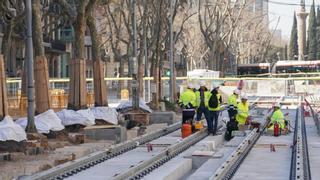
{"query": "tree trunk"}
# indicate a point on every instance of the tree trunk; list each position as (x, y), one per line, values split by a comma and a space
(3, 91)
(41, 64)
(77, 86)
(7, 42)
(100, 90)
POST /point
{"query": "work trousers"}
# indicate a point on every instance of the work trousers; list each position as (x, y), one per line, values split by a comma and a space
(213, 122)
(203, 110)
(188, 115)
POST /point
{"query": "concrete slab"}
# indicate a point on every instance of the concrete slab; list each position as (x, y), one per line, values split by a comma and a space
(162, 117)
(178, 167)
(115, 133)
(211, 165)
(261, 164)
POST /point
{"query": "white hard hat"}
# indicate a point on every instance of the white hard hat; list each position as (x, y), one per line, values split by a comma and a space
(196, 86)
(202, 83)
(277, 104)
(236, 91)
(214, 86)
(190, 85)
(244, 96)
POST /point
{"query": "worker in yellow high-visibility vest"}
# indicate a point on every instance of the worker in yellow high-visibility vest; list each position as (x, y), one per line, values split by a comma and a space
(277, 117)
(232, 104)
(243, 111)
(188, 103)
(202, 96)
(214, 103)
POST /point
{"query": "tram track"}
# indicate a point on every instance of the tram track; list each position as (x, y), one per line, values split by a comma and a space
(73, 167)
(300, 165)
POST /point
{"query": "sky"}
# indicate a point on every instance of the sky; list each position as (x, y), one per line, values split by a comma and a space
(285, 12)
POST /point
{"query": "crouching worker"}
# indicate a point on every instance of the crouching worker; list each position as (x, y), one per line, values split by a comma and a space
(277, 122)
(187, 102)
(243, 117)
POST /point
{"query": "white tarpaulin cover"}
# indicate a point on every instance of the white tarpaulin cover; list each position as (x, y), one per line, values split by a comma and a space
(44, 122)
(11, 131)
(107, 114)
(71, 117)
(128, 104)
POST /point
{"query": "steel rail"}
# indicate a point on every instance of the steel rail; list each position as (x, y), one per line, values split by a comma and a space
(142, 169)
(306, 162)
(300, 166)
(233, 162)
(72, 167)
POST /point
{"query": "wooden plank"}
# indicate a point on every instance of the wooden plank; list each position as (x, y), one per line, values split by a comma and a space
(1, 88)
(42, 97)
(77, 78)
(71, 83)
(83, 84)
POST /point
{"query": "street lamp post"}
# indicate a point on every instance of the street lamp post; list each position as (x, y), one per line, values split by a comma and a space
(29, 54)
(172, 82)
(134, 66)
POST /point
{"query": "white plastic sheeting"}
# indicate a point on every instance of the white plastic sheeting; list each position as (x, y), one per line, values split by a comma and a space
(128, 105)
(107, 114)
(71, 117)
(11, 131)
(45, 122)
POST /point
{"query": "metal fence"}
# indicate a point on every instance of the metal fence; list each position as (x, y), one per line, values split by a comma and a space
(119, 89)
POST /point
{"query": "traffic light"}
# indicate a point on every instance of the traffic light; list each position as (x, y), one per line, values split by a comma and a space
(167, 73)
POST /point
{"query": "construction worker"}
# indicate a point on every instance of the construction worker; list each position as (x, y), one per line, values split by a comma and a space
(242, 116)
(202, 96)
(232, 100)
(232, 104)
(277, 117)
(214, 109)
(188, 104)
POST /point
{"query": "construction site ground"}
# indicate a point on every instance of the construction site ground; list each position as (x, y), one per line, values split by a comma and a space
(21, 164)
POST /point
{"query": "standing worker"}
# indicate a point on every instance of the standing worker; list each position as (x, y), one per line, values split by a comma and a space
(187, 102)
(277, 118)
(232, 124)
(202, 96)
(214, 109)
(242, 116)
(232, 104)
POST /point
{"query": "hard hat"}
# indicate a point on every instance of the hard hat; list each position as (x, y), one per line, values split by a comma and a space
(277, 104)
(202, 83)
(196, 86)
(215, 86)
(244, 96)
(190, 85)
(236, 91)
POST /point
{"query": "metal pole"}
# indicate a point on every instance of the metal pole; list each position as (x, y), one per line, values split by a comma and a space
(135, 85)
(29, 54)
(146, 64)
(172, 83)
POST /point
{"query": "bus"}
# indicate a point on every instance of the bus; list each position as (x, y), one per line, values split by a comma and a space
(278, 68)
(253, 69)
(297, 66)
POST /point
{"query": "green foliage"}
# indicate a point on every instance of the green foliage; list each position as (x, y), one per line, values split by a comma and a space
(312, 34)
(318, 32)
(293, 46)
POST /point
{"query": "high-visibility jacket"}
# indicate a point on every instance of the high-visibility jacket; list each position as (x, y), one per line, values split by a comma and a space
(206, 98)
(188, 96)
(219, 101)
(278, 117)
(232, 100)
(243, 113)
